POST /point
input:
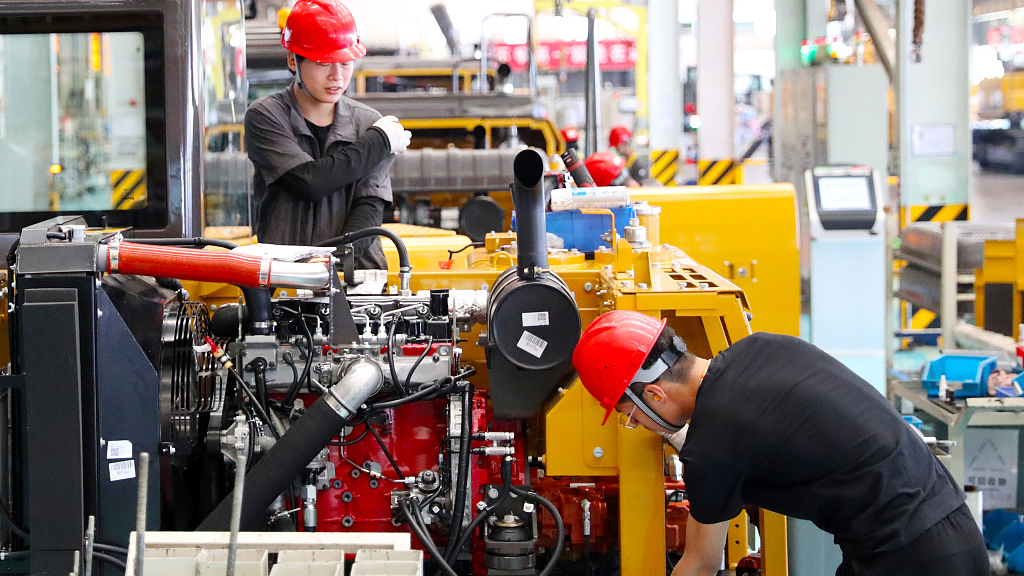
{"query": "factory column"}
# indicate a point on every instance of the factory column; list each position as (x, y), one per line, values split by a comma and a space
(790, 32)
(934, 88)
(664, 89)
(716, 101)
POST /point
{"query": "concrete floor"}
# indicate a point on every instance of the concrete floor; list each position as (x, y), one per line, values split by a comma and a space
(997, 197)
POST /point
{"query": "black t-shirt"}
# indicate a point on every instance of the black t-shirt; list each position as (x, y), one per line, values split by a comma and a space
(781, 425)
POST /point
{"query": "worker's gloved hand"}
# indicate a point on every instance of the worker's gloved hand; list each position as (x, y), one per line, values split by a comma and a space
(397, 135)
(676, 439)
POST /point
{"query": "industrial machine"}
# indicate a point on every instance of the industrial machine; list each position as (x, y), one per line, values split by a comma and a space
(997, 137)
(437, 402)
(355, 412)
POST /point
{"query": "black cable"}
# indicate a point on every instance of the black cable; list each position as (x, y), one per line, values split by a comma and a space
(423, 394)
(255, 402)
(259, 368)
(560, 539)
(424, 537)
(351, 442)
(408, 378)
(21, 532)
(387, 452)
(462, 478)
(110, 548)
(506, 489)
(293, 391)
(403, 252)
(391, 358)
(287, 357)
(110, 560)
(452, 253)
(587, 566)
(185, 242)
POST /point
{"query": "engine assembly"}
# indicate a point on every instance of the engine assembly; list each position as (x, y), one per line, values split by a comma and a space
(447, 411)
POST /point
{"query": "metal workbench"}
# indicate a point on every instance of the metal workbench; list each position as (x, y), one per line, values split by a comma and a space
(958, 416)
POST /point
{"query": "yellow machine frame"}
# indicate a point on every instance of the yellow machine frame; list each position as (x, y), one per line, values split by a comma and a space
(465, 75)
(1003, 264)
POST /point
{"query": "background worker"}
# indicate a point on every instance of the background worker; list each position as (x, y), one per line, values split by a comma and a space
(571, 137)
(607, 169)
(321, 159)
(777, 423)
(621, 141)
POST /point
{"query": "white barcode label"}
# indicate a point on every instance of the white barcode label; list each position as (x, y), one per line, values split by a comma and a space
(122, 470)
(535, 319)
(532, 344)
(119, 449)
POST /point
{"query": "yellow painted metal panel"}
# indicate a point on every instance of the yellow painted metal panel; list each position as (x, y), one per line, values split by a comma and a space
(737, 543)
(572, 431)
(641, 502)
(747, 234)
(774, 550)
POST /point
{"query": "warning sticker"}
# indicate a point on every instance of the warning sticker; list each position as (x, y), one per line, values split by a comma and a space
(532, 344)
(122, 470)
(535, 319)
(119, 449)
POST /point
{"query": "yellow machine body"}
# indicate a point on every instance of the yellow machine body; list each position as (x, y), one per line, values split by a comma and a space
(999, 286)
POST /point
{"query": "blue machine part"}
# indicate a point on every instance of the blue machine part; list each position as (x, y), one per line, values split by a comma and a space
(913, 420)
(994, 523)
(583, 231)
(971, 372)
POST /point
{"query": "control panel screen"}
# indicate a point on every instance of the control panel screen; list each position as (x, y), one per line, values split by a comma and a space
(845, 193)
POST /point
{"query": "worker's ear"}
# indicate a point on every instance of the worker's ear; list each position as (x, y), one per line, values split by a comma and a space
(291, 62)
(654, 392)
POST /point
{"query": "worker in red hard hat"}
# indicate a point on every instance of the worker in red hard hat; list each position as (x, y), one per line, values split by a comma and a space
(621, 141)
(321, 159)
(571, 137)
(774, 422)
(607, 169)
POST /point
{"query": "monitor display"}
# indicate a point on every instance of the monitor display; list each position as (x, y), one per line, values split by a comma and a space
(846, 193)
(82, 119)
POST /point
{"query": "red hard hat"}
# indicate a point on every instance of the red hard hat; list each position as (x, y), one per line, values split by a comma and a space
(611, 351)
(618, 135)
(322, 31)
(606, 168)
(570, 134)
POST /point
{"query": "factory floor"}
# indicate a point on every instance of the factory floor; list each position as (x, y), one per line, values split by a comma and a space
(997, 196)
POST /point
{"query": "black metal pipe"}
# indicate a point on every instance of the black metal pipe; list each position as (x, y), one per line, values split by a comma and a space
(528, 197)
(592, 87)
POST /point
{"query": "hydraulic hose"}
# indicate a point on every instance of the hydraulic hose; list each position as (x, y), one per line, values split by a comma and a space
(296, 449)
(560, 539)
(119, 257)
(462, 478)
(404, 265)
(506, 489)
(424, 536)
(577, 169)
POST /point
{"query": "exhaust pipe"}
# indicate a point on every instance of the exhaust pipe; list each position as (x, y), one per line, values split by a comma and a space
(528, 197)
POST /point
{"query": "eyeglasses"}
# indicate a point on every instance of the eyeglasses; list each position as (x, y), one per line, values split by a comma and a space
(626, 420)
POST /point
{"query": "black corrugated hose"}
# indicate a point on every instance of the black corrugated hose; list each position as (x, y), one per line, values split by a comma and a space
(462, 478)
(506, 479)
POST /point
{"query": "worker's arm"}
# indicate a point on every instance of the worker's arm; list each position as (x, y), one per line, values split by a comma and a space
(705, 546)
(366, 212)
(343, 165)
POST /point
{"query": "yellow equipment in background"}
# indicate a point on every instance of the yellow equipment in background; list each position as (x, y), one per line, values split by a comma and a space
(999, 286)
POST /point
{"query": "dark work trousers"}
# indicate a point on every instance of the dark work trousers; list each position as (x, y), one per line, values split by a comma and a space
(952, 547)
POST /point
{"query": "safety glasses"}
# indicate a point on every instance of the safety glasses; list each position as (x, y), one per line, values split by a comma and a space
(626, 420)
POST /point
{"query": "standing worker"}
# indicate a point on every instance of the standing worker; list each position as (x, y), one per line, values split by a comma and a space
(774, 422)
(321, 159)
(621, 141)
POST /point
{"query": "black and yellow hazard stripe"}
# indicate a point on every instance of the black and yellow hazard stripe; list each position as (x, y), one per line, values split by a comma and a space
(664, 166)
(922, 319)
(718, 172)
(128, 189)
(937, 213)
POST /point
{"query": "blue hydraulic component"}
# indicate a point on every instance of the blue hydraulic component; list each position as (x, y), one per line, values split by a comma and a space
(583, 231)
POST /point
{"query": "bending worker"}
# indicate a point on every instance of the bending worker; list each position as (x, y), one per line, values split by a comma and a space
(607, 169)
(321, 159)
(774, 422)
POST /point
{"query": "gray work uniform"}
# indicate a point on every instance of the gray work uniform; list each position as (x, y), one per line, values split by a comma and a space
(278, 140)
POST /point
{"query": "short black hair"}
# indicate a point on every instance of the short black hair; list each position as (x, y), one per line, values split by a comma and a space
(677, 372)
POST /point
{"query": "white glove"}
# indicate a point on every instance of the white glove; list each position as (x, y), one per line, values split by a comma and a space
(676, 439)
(397, 135)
